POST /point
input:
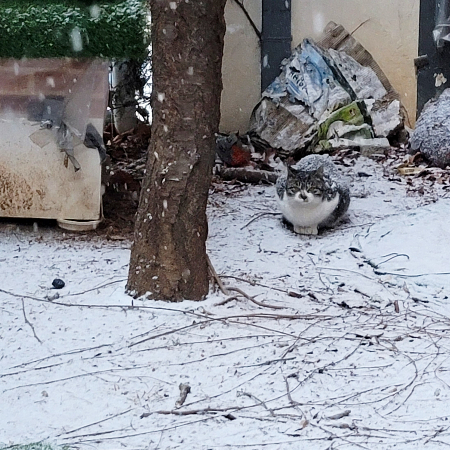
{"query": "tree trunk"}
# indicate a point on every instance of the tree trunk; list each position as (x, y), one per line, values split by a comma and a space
(168, 257)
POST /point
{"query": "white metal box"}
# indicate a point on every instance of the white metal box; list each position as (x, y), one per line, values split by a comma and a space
(40, 98)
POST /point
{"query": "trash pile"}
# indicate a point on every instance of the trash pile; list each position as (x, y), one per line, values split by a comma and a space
(329, 95)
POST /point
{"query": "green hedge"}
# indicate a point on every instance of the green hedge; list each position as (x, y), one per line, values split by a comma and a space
(73, 28)
(35, 446)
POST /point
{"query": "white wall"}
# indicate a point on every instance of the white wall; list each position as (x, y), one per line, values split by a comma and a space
(241, 72)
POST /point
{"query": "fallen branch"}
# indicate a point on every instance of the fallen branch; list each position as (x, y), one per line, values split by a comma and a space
(29, 323)
(226, 290)
(57, 355)
(277, 317)
(391, 257)
(259, 217)
(254, 283)
(216, 277)
(195, 361)
(267, 363)
(402, 275)
(247, 175)
(227, 300)
(159, 308)
(170, 332)
(339, 269)
(96, 439)
(361, 292)
(289, 396)
(177, 412)
(253, 300)
(106, 306)
(87, 374)
(19, 372)
(95, 423)
(261, 402)
(94, 288)
(241, 316)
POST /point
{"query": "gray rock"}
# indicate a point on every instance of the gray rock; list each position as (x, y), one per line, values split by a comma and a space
(432, 134)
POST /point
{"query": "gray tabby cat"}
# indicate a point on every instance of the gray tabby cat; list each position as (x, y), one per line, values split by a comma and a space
(312, 195)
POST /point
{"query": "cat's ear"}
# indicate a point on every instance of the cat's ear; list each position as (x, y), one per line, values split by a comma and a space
(319, 171)
(292, 171)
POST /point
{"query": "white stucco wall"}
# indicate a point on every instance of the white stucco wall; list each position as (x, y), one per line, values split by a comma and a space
(241, 72)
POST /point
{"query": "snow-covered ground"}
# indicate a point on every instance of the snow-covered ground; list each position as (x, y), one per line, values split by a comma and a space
(349, 351)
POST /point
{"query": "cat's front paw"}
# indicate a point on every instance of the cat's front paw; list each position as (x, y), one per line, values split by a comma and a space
(306, 230)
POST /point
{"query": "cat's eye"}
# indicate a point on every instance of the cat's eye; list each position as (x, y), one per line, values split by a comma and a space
(317, 192)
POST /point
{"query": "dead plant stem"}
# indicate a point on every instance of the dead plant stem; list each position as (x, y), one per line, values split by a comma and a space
(29, 323)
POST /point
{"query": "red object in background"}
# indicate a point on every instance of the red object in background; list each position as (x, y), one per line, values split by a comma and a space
(232, 152)
(239, 156)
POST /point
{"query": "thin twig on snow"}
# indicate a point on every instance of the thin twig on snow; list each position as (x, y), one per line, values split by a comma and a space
(29, 323)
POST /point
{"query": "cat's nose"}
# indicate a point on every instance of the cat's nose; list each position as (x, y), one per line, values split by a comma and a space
(303, 196)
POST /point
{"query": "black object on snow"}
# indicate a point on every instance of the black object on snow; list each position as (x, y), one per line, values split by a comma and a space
(57, 283)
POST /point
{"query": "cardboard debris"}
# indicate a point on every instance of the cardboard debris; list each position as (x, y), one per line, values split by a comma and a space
(366, 147)
(386, 116)
(408, 171)
(328, 95)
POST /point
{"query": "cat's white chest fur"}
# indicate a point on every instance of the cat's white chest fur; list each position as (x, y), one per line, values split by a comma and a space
(306, 211)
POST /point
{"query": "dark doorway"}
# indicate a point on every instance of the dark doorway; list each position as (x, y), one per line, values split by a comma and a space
(433, 63)
(275, 38)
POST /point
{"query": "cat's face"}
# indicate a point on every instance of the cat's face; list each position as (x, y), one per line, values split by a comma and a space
(305, 187)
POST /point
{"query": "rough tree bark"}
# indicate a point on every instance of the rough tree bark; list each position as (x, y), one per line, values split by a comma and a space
(168, 257)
